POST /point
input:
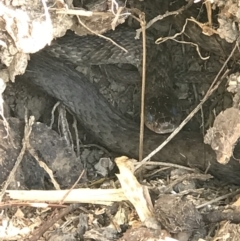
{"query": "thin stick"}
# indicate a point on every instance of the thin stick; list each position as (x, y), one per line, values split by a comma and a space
(100, 35)
(50, 222)
(192, 176)
(160, 17)
(164, 39)
(143, 26)
(44, 166)
(52, 114)
(73, 186)
(27, 131)
(218, 199)
(166, 164)
(74, 125)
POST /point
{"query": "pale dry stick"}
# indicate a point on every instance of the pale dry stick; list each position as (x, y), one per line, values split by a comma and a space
(203, 128)
(117, 17)
(192, 176)
(160, 17)
(224, 65)
(197, 48)
(167, 165)
(52, 113)
(152, 21)
(86, 13)
(206, 30)
(44, 166)
(83, 195)
(64, 126)
(100, 35)
(48, 20)
(164, 39)
(29, 204)
(27, 131)
(78, 12)
(41, 163)
(157, 171)
(209, 12)
(5, 122)
(74, 125)
(218, 199)
(114, 4)
(52, 220)
(74, 185)
(135, 192)
(144, 59)
(3, 44)
(118, 13)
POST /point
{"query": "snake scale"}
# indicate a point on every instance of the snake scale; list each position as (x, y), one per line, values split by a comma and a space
(58, 78)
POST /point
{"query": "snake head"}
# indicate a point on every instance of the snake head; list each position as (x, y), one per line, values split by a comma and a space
(162, 114)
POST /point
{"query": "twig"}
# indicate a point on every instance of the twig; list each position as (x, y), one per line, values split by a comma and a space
(161, 40)
(74, 185)
(48, 20)
(27, 131)
(44, 166)
(209, 12)
(74, 125)
(224, 65)
(185, 121)
(5, 122)
(191, 43)
(52, 113)
(117, 14)
(160, 17)
(191, 176)
(100, 35)
(86, 13)
(80, 12)
(3, 44)
(206, 30)
(167, 165)
(82, 195)
(47, 224)
(114, 5)
(117, 17)
(143, 26)
(152, 174)
(64, 126)
(218, 199)
(203, 123)
(30, 204)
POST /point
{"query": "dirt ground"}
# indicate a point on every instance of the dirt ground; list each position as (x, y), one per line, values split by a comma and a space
(52, 151)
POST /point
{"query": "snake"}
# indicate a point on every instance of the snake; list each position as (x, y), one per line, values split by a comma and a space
(52, 70)
(162, 112)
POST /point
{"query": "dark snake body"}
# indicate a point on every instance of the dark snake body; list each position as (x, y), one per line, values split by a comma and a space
(109, 127)
(162, 113)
